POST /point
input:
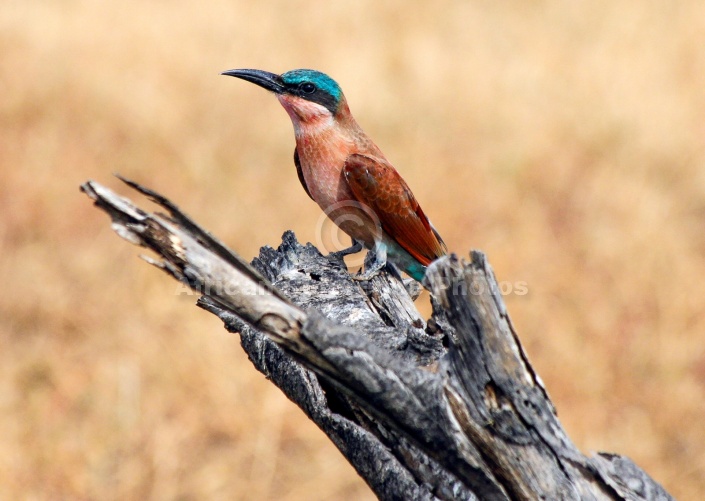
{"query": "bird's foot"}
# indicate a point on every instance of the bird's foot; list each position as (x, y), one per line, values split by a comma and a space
(375, 263)
(370, 273)
(353, 249)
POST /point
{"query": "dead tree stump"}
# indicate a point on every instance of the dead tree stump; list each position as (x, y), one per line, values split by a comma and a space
(448, 408)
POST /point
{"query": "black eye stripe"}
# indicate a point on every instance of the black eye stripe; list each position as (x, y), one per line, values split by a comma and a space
(310, 91)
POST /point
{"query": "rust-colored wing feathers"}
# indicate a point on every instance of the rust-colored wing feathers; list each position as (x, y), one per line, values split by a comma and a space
(375, 183)
(300, 173)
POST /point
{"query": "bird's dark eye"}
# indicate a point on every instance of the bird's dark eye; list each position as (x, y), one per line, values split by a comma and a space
(307, 88)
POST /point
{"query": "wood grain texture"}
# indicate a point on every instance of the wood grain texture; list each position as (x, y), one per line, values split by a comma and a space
(448, 408)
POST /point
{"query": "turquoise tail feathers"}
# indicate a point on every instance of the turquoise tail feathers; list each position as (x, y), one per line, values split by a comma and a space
(416, 271)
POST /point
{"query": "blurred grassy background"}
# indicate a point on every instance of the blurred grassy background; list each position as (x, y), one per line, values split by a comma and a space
(565, 139)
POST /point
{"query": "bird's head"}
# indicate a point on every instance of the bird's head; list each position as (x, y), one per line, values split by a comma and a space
(309, 96)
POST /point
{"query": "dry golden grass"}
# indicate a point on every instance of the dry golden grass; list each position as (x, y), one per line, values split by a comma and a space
(566, 139)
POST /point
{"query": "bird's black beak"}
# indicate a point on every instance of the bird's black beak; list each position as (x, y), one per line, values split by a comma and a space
(269, 81)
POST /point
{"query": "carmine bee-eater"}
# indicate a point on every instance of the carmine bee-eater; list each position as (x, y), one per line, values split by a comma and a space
(347, 175)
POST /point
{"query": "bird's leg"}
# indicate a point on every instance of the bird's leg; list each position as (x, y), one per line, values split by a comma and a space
(375, 262)
(353, 249)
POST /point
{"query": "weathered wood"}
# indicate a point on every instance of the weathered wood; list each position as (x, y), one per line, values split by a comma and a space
(445, 409)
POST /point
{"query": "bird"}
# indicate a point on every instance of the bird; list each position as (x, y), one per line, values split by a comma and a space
(348, 176)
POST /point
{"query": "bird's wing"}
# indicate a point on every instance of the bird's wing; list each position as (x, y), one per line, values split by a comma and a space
(297, 162)
(376, 184)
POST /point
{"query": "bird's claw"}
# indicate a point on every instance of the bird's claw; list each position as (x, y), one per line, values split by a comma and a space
(367, 275)
(375, 263)
(371, 273)
(338, 255)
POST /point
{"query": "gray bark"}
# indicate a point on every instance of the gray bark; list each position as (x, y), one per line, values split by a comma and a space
(448, 408)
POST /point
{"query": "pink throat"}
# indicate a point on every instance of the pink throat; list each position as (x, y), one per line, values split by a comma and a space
(307, 117)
